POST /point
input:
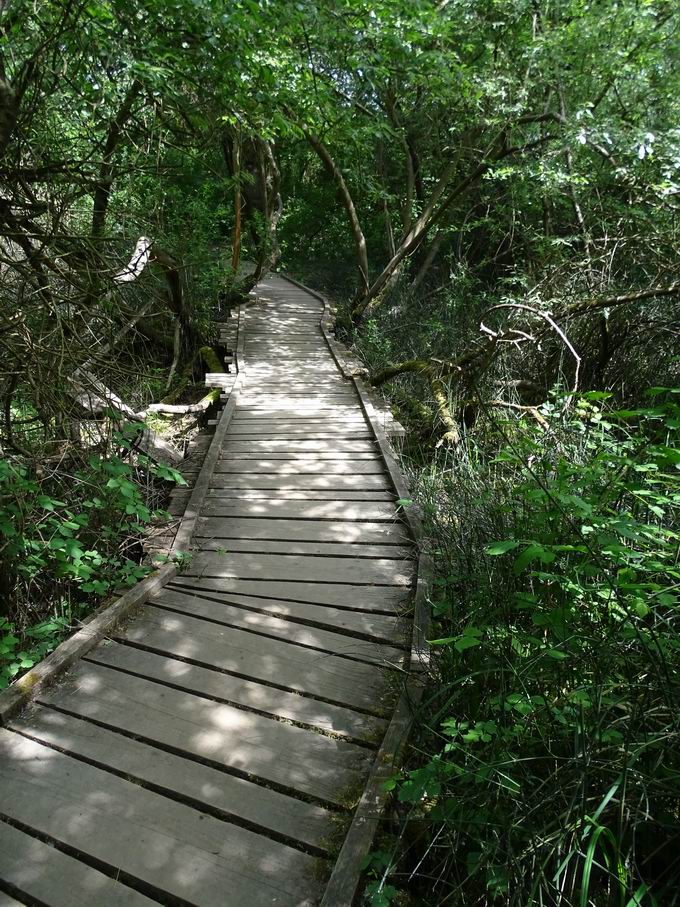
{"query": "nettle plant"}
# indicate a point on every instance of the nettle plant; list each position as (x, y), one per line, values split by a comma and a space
(558, 772)
(69, 546)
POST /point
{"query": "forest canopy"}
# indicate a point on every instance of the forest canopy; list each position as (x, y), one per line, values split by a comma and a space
(489, 192)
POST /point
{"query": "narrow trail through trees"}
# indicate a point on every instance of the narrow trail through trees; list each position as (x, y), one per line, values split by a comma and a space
(213, 751)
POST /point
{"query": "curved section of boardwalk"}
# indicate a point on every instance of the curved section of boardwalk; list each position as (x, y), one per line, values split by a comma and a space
(211, 753)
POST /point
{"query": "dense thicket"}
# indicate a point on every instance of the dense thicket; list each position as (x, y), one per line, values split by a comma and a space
(489, 188)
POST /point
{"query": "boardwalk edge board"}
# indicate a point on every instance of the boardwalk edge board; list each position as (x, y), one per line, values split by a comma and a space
(19, 694)
(346, 876)
(188, 522)
(15, 697)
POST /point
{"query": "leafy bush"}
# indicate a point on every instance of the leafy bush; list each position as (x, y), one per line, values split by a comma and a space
(69, 543)
(553, 759)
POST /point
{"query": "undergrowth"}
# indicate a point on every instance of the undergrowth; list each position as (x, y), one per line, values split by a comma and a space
(69, 540)
(547, 767)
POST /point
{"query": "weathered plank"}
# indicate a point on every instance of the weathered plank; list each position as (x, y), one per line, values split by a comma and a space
(6, 900)
(261, 659)
(52, 877)
(385, 599)
(312, 418)
(256, 480)
(229, 453)
(304, 508)
(295, 384)
(298, 421)
(306, 408)
(206, 787)
(301, 467)
(277, 627)
(258, 697)
(292, 757)
(330, 447)
(295, 494)
(280, 567)
(325, 434)
(366, 624)
(169, 845)
(302, 530)
(316, 549)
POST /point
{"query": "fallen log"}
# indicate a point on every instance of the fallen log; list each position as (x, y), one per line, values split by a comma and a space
(179, 409)
(92, 395)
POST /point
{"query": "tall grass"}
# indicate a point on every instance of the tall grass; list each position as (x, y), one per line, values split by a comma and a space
(546, 769)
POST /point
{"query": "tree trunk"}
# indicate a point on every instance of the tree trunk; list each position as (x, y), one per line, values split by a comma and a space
(102, 192)
(348, 203)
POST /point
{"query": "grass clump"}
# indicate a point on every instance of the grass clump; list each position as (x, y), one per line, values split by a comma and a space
(547, 770)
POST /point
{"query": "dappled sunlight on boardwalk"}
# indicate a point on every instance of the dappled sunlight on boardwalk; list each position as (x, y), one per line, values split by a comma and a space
(210, 751)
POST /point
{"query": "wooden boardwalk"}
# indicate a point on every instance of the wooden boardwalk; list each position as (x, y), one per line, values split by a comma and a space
(212, 751)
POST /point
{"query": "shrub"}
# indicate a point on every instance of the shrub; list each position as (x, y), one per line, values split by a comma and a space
(551, 762)
(65, 544)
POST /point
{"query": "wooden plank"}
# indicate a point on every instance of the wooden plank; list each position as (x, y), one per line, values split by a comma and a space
(52, 877)
(311, 421)
(302, 408)
(289, 331)
(348, 683)
(370, 533)
(249, 694)
(283, 421)
(278, 628)
(295, 494)
(291, 388)
(289, 395)
(254, 480)
(330, 387)
(6, 900)
(298, 466)
(325, 434)
(281, 353)
(301, 445)
(303, 509)
(285, 567)
(390, 629)
(317, 549)
(384, 599)
(253, 804)
(228, 452)
(326, 365)
(292, 757)
(301, 347)
(297, 324)
(169, 845)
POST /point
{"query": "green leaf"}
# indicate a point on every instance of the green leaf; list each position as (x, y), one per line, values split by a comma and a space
(502, 547)
(466, 642)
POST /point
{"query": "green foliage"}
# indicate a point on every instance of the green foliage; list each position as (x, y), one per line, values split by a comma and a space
(553, 774)
(69, 546)
(19, 653)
